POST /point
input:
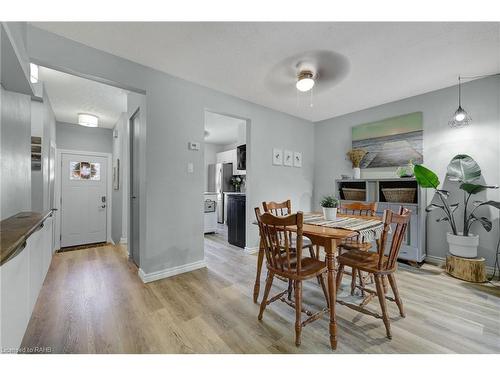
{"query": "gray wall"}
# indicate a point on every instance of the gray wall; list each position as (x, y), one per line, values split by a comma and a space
(15, 153)
(173, 198)
(43, 124)
(82, 138)
(480, 98)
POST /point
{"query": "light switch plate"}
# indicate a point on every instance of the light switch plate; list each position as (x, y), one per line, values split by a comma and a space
(194, 146)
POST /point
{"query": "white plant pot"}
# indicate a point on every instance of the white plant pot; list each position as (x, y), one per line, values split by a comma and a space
(461, 246)
(356, 173)
(330, 213)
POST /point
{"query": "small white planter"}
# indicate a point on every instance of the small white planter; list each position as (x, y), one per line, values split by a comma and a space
(461, 246)
(330, 213)
(356, 173)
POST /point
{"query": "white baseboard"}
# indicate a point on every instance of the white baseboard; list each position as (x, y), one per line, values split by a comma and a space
(123, 240)
(439, 261)
(251, 250)
(168, 272)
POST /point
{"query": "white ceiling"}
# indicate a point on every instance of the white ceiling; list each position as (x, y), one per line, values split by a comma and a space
(71, 95)
(220, 129)
(376, 62)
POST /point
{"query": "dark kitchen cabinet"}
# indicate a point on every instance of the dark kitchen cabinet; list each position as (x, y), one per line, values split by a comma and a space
(236, 219)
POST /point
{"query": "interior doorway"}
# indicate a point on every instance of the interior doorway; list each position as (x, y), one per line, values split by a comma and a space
(134, 186)
(226, 178)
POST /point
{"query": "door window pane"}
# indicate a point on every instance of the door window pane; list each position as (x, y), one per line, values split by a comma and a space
(84, 170)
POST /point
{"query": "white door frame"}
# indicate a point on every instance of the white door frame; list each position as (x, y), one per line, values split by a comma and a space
(58, 187)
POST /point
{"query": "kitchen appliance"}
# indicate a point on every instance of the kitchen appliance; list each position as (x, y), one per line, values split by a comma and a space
(210, 213)
(221, 173)
(241, 157)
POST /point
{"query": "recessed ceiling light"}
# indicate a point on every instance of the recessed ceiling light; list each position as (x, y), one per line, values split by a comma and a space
(305, 81)
(85, 119)
(33, 73)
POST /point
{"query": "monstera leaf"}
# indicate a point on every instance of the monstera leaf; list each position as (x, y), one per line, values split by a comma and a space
(425, 177)
(475, 188)
(464, 169)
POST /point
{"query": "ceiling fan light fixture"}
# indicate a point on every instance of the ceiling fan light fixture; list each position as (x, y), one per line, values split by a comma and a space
(90, 121)
(305, 81)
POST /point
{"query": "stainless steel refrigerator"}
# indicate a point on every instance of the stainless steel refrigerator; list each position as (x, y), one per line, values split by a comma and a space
(220, 174)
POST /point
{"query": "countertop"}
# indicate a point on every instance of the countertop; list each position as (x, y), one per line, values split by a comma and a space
(15, 230)
(234, 193)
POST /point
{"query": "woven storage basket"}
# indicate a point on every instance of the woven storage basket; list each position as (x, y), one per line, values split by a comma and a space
(354, 194)
(399, 195)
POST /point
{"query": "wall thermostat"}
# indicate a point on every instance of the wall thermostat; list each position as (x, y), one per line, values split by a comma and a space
(194, 146)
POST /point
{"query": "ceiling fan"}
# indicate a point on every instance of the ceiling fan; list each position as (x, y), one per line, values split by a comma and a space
(320, 69)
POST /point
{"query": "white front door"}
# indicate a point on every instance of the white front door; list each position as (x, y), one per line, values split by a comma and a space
(83, 199)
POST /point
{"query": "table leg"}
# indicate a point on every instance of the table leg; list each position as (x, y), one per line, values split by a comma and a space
(260, 260)
(330, 249)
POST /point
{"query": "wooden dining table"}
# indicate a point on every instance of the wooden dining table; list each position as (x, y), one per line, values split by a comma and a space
(328, 238)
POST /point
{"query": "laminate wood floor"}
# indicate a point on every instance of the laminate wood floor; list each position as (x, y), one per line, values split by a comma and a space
(92, 301)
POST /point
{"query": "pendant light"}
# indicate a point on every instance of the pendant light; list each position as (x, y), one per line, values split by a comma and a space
(460, 118)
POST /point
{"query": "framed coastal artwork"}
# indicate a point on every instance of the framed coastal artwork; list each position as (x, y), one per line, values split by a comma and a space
(391, 142)
(297, 159)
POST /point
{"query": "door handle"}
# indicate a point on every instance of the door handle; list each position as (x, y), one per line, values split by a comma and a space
(103, 206)
(134, 197)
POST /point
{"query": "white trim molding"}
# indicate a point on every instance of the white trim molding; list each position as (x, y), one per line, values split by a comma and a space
(251, 250)
(123, 240)
(168, 272)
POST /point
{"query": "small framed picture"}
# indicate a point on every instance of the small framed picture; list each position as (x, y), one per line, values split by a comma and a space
(277, 156)
(288, 158)
(297, 159)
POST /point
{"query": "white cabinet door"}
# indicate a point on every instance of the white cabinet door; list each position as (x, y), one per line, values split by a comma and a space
(15, 312)
(35, 249)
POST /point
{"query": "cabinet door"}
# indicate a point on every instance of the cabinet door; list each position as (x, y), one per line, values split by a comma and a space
(35, 249)
(15, 310)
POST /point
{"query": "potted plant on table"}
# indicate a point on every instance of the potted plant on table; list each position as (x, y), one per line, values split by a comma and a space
(329, 204)
(465, 171)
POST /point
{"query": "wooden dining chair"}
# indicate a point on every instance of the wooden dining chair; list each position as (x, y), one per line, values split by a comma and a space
(286, 262)
(360, 209)
(284, 209)
(379, 265)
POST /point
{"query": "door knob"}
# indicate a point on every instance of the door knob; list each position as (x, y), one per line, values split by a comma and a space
(134, 197)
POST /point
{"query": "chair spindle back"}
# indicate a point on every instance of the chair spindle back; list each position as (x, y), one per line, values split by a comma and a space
(276, 232)
(359, 208)
(401, 220)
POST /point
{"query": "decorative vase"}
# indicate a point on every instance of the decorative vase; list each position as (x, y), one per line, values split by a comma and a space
(356, 173)
(330, 213)
(462, 246)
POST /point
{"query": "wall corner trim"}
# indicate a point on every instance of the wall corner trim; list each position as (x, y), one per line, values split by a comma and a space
(168, 272)
(251, 250)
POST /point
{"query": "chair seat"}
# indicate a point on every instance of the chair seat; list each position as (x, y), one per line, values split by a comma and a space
(362, 260)
(310, 267)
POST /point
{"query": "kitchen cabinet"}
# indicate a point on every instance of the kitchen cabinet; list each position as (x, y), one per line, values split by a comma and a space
(236, 219)
(230, 156)
(22, 277)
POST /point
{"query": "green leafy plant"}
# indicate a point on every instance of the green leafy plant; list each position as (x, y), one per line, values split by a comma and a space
(464, 170)
(329, 201)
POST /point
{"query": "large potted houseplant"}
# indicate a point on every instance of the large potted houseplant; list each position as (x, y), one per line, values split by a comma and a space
(466, 172)
(329, 204)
